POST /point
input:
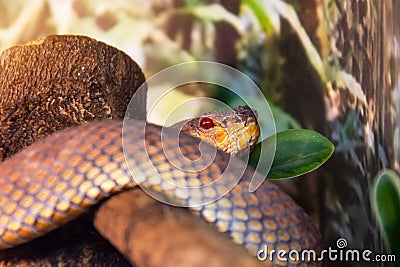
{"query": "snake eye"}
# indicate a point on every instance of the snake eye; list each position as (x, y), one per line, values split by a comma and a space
(206, 123)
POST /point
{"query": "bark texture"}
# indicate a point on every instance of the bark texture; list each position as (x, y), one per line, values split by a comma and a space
(61, 81)
(361, 38)
(155, 234)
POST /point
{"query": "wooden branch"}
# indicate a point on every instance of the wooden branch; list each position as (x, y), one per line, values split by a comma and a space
(150, 233)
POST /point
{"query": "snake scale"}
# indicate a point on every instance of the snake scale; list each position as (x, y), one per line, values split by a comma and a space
(61, 176)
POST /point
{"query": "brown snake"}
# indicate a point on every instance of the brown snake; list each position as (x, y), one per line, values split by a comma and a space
(61, 176)
(58, 178)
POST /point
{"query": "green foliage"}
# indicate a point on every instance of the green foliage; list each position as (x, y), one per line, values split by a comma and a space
(385, 200)
(215, 13)
(283, 120)
(263, 11)
(329, 71)
(298, 151)
(262, 15)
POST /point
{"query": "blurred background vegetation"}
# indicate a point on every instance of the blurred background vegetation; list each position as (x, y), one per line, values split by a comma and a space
(158, 34)
(326, 65)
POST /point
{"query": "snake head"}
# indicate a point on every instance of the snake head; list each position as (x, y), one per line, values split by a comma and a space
(229, 130)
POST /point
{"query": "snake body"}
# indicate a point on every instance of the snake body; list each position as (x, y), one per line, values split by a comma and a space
(60, 177)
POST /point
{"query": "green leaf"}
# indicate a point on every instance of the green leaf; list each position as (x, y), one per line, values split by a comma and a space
(216, 13)
(298, 151)
(385, 200)
(262, 14)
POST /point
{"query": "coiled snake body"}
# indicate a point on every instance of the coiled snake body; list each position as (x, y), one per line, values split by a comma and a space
(58, 178)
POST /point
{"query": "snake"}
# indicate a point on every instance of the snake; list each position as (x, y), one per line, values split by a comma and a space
(60, 177)
(63, 175)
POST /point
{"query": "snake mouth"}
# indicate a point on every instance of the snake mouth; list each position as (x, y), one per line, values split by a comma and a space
(245, 133)
(238, 139)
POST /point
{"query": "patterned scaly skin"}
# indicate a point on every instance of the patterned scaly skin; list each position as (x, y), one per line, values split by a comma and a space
(230, 133)
(60, 177)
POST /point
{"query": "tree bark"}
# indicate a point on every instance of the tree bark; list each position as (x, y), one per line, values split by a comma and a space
(150, 233)
(362, 37)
